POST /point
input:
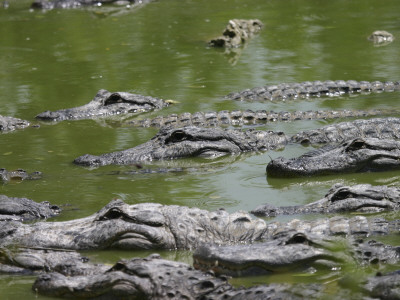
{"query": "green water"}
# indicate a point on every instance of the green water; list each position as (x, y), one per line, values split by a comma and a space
(60, 59)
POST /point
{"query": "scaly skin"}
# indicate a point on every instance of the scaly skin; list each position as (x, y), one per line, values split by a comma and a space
(10, 123)
(362, 198)
(18, 174)
(47, 5)
(106, 104)
(353, 156)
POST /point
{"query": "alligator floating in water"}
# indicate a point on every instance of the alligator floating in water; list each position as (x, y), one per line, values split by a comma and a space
(353, 156)
(249, 117)
(34, 260)
(23, 209)
(237, 33)
(363, 198)
(47, 5)
(156, 226)
(18, 174)
(308, 89)
(292, 251)
(155, 278)
(381, 37)
(106, 104)
(192, 141)
(10, 123)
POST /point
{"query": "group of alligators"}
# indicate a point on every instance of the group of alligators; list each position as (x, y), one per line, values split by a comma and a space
(223, 244)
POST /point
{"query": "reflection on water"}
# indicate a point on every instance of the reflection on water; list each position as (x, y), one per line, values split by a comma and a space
(57, 59)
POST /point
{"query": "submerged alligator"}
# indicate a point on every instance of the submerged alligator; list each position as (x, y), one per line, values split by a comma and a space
(363, 198)
(191, 141)
(237, 33)
(18, 174)
(249, 117)
(381, 37)
(155, 278)
(156, 226)
(106, 104)
(329, 88)
(23, 209)
(10, 123)
(383, 286)
(291, 251)
(353, 156)
(48, 4)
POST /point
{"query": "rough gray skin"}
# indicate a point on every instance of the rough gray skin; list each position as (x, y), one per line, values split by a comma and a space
(363, 198)
(156, 226)
(23, 209)
(106, 104)
(353, 156)
(18, 174)
(381, 37)
(329, 88)
(140, 226)
(26, 261)
(190, 142)
(248, 117)
(382, 128)
(291, 251)
(383, 286)
(10, 123)
(48, 4)
(155, 278)
(237, 33)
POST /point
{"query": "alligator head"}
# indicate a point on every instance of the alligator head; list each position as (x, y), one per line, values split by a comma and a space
(190, 141)
(357, 155)
(105, 104)
(290, 251)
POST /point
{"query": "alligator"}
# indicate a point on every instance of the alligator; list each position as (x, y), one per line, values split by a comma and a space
(106, 104)
(18, 174)
(23, 209)
(155, 278)
(353, 156)
(155, 226)
(363, 198)
(237, 33)
(383, 286)
(381, 37)
(30, 261)
(190, 141)
(248, 117)
(307, 89)
(292, 251)
(10, 123)
(47, 5)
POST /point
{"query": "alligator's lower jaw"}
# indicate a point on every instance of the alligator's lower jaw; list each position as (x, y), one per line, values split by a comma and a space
(220, 269)
(133, 242)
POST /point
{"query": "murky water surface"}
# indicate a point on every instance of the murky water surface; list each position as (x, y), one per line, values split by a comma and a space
(60, 59)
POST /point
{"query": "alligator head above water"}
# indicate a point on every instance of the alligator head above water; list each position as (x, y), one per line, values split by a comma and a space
(140, 226)
(190, 142)
(357, 155)
(363, 198)
(18, 174)
(10, 123)
(106, 104)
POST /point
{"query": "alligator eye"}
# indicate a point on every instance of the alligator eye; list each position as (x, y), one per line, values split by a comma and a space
(298, 238)
(114, 98)
(112, 214)
(177, 136)
(356, 145)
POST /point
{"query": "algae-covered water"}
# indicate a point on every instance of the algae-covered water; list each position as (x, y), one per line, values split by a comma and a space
(60, 59)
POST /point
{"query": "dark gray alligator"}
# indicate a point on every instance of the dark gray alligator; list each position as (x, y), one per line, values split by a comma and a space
(249, 117)
(10, 123)
(18, 174)
(383, 286)
(29, 261)
(237, 33)
(23, 209)
(292, 251)
(156, 226)
(48, 4)
(106, 104)
(189, 142)
(357, 155)
(155, 278)
(309, 89)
